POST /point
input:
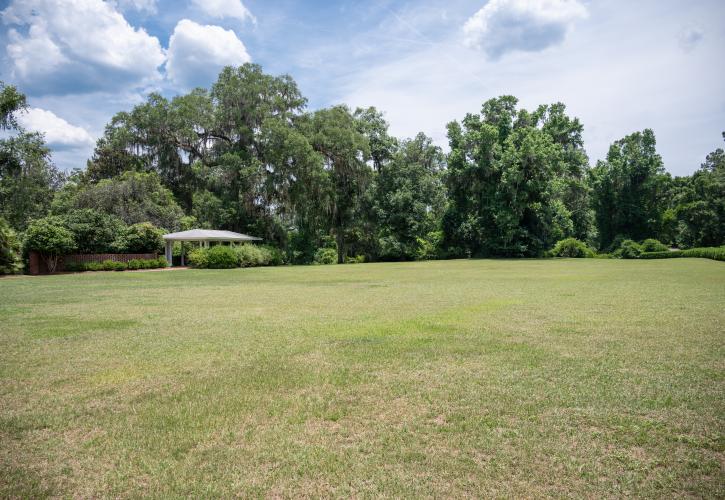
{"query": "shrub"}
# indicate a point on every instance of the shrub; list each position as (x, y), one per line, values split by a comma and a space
(50, 238)
(222, 257)
(143, 237)
(358, 259)
(615, 244)
(112, 265)
(715, 253)
(161, 262)
(571, 247)
(653, 245)
(325, 256)
(93, 266)
(93, 231)
(9, 249)
(250, 255)
(74, 267)
(429, 247)
(273, 256)
(135, 264)
(198, 258)
(629, 249)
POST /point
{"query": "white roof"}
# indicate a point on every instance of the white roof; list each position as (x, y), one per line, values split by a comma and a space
(209, 235)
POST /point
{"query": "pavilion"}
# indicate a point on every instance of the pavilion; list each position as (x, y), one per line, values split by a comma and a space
(203, 237)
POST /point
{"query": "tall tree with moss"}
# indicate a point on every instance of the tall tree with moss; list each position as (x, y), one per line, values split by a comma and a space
(510, 175)
(629, 190)
(334, 134)
(699, 204)
(28, 177)
(9, 249)
(407, 198)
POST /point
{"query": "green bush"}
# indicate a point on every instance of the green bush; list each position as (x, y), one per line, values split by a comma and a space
(74, 267)
(93, 231)
(571, 247)
(325, 256)
(358, 259)
(143, 237)
(9, 249)
(134, 264)
(250, 255)
(93, 266)
(273, 256)
(50, 238)
(112, 265)
(198, 258)
(628, 249)
(653, 245)
(222, 257)
(615, 244)
(715, 253)
(246, 255)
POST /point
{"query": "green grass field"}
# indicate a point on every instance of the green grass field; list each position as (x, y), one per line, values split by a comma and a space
(459, 378)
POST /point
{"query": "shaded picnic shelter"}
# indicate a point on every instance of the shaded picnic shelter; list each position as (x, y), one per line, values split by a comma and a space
(204, 237)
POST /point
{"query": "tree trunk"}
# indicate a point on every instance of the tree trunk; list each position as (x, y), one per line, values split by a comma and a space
(51, 261)
(340, 237)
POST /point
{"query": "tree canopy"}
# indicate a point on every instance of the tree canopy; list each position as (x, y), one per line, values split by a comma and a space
(247, 155)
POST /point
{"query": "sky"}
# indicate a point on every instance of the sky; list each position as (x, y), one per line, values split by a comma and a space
(619, 66)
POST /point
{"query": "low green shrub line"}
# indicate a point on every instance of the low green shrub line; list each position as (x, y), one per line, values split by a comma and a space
(228, 257)
(629, 249)
(715, 253)
(112, 265)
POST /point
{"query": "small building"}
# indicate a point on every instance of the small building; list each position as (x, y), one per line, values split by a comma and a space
(203, 237)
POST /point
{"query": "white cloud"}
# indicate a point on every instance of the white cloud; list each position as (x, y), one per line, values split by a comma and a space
(58, 133)
(146, 6)
(690, 38)
(197, 53)
(613, 75)
(61, 47)
(527, 25)
(220, 9)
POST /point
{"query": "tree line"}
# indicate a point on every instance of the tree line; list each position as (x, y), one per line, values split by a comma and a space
(246, 155)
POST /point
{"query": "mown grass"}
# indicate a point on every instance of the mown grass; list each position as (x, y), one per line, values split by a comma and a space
(459, 378)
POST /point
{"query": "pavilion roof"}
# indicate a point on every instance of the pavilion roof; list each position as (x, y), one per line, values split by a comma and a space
(208, 235)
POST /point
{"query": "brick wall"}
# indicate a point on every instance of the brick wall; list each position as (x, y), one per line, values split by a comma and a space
(36, 265)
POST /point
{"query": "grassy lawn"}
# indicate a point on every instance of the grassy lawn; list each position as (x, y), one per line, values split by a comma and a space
(459, 378)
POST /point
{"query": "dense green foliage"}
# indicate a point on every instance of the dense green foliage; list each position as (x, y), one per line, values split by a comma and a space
(51, 238)
(93, 231)
(325, 256)
(227, 257)
(28, 179)
(9, 249)
(571, 247)
(245, 155)
(407, 199)
(132, 197)
(653, 245)
(143, 237)
(628, 249)
(515, 180)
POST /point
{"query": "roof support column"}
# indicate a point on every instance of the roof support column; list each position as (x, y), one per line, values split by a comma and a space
(170, 252)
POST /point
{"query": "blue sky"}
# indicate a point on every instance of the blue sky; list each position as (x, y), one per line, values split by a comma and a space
(619, 66)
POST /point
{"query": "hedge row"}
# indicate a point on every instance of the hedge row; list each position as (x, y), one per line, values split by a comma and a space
(112, 265)
(227, 257)
(715, 253)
